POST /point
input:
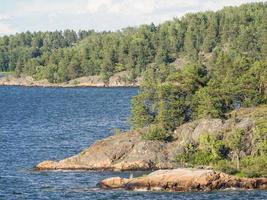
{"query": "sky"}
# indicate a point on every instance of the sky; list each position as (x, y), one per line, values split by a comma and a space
(49, 15)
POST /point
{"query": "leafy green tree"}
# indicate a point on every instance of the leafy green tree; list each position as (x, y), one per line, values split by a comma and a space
(141, 116)
(235, 142)
(206, 105)
(171, 108)
(253, 87)
(213, 145)
(156, 132)
(263, 38)
(212, 32)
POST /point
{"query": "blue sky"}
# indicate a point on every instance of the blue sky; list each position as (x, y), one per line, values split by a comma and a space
(42, 15)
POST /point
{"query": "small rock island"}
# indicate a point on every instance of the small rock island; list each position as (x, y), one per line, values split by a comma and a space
(184, 179)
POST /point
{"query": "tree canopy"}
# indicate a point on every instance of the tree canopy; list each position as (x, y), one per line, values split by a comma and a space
(63, 55)
(226, 68)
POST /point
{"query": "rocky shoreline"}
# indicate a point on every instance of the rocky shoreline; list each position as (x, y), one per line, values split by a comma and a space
(184, 180)
(129, 151)
(117, 80)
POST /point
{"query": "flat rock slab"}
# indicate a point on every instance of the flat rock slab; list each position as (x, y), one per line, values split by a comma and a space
(126, 151)
(184, 179)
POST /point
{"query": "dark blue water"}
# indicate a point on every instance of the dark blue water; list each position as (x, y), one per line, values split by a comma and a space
(37, 124)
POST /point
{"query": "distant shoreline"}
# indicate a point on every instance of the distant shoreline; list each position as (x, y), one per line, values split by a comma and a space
(55, 86)
(83, 82)
(70, 86)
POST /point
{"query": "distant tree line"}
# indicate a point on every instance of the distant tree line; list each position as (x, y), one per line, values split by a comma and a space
(63, 55)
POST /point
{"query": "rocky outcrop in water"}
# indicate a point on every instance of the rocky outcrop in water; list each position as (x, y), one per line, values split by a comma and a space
(128, 151)
(182, 180)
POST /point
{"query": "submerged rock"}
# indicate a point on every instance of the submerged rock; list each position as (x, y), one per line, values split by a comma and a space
(184, 179)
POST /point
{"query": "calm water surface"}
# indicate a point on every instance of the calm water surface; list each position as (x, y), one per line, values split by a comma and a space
(37, 124)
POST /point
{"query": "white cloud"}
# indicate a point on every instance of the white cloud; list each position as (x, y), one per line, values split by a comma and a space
(38, 15)
(146, 7)
(94, 6)
(215, 5)
(125, 7)
(49, 7)
(4, 17)
(6, 29)
(157, 11)
(136, 6)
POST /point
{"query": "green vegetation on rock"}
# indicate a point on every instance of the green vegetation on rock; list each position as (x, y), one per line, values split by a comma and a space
(156, 132)
(240, 151)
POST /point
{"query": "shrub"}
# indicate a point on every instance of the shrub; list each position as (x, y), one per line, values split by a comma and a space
(156, 132)
(225, 166)
(254, 166)
(202, 158)
(212, 146)
(184, 157)
(209, 150)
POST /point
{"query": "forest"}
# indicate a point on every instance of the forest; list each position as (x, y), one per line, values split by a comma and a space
(64, 55)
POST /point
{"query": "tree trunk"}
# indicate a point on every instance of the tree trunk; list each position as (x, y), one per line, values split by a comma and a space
(237, 161)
